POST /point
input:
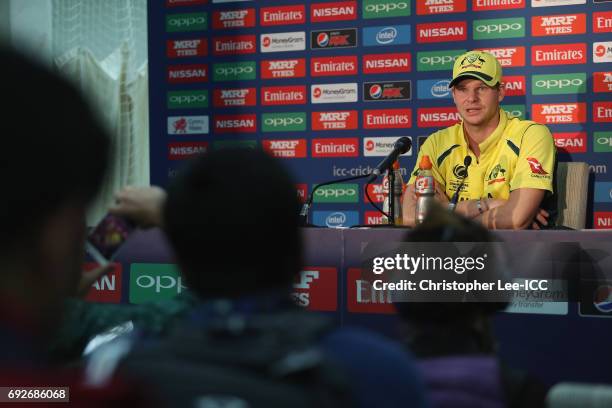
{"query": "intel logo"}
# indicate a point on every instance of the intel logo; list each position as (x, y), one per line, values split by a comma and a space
(335, 220)
(387, 35)
(440, 89)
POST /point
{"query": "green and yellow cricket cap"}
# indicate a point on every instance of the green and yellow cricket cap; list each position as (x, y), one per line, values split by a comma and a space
(477, 64)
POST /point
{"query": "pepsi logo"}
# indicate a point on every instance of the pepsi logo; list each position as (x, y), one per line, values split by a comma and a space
(323, 39)
(376, 91)
(603, 299)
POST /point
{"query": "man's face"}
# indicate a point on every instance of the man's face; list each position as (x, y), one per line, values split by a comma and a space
(477, 103)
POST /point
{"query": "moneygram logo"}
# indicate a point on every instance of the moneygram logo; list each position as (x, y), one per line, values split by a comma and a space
(559, 113)
(235, 45)
(316, 289)
(197, 47)
(385, 8)
(343, 147)
(186, 150)
(333, 66)
(243, 18)
(283, 122)
(386, 63)
(514, 85)
(485, 5)
(558, 54)
(154, 282)
(437, 117)
(337, 11)
(603, 142)
(602, 22)
(558, 84)
(554, 3)
(341, 193)
(228, 98)
(328, 39)
(498, 28)
(235, 123)
(187, 125)
(386, 35)
(273, 16)
(106, 289)
(433, 89)
(336, 219)
(381, 146)
(602, 220)
(288, 68)
(179, 74)
(602, 52)
(187, 99)
(283, 95)
(429, 7)
(186, 22)
(282, 42)
(387, 91)
(335, 120)
(602, 111)
(437, 60)
(387, 118)
(442, 32)
(563, 24)
(234, 71)
(508, 56)
(286, 149)
(333, 93)
(573, 142)
(602, 81)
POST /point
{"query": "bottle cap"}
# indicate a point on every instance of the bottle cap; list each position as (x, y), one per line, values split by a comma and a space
(396, 165)
(425, 163)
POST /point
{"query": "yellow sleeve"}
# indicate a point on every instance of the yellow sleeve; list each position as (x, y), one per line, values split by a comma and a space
(536, 161)
(428, 148)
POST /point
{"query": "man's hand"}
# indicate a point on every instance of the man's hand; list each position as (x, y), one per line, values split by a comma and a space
(541, 219)
(143, 205)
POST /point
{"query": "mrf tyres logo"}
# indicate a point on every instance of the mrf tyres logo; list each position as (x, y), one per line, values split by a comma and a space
(197, 47)
(387, 91)
(336, 11)
(334, 120)
(226, 19)
(180, 74)
(187, 125)
(228, 98)
(283, 122)
(558, 54)
(333, 93)
(316, 289)
(234, 71)
(437, 60)
(285, 68)
(508, 56)
(562, 24)
(186, 22)
(602, 81)
(602, 52)
(442, 32)
(559, 113)
(186, 150)
(286, 148)
(387, 118)
(498, 28)
(559, 84)
(329, 39)
(340, 147)
(235, 123)
(429, 7)
(283, 42)
(386, 63)
(385, 8)
(340, 193)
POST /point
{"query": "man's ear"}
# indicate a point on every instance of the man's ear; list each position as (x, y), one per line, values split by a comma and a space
(501, 93)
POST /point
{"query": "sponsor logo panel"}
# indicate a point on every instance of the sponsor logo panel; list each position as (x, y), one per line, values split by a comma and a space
(187, 99)
(558, 54)
(335, 219)
(228, 98)
(333, 93)
(498, 28)
(603, 192)
(377, 193)
(429, 7)
(602, 220)
(486, 5)
(226, 19)
(335, 11)
(197, 47)
(283, 95)
(154, 282)
(387, 119)
(332, 66)
(235, 123)
(602, 52)
(362, 298)
(433, 89)
(386, 35)
(186, 150)
(282, 42)
(387, 91)
(381, 146)
(335, 120)
(179, 74)
(285, 148)
(554, 3)
(602, 142)
(595, 298)
(339, 147)
(385, 8)
(602, 22)
(559, 113)
(508, 56)
(316, 289)
(108, 288)
(441, 32)
(287, 68)
(329, 39)
(437, 60)
(302, 191)
(602, 111)
(373, 217)
(437, 117)
(186, 22)
(340, 193)
(571, 142)
(234, 144)
(559, 84)
(234, 71)
(562, 24)
(283, 122)
(386, 63)
(273, 16)
(187, 125)
(179, 3)
(515, 111)
(234, 45)
(514, 85)
(602, 81)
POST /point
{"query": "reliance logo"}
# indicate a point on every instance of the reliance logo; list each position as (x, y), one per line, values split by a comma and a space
(235, 45)
(273, 16)
(563, 24)
(332, 66)
(559, 113)
(484, 5)
(428, 7)
(335, 120)
(514, 85)
(283, 95)
(197, 47)
(179, 74)
(437, 117)
(508, 56)
(235, 123)
(344, 147)
(387, 118)
(244, 18)
(602, 111)
(186, 150)
(386, 63)
(558, 54)
(288, 68)
(442, 32)
(228, 98)
(336, 11)
(287, 149)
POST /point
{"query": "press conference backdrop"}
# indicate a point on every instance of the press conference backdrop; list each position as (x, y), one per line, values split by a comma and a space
(329, 86)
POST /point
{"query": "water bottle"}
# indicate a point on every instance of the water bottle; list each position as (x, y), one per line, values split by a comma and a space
(398, 190)
(424, 186)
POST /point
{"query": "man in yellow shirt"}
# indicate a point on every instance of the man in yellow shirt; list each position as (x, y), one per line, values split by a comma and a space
(512, 160)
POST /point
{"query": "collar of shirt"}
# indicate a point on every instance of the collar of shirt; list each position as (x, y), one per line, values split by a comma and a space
(489, 144)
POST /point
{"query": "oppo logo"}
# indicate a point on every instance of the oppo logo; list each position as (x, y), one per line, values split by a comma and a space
(436, 60)
(160, 283)
(231, 71)
(187, 99)
(284, 122)
(386, 35)
(558, 83)
(187, 21)
(386, 8)
(605, 141)
(498, 28)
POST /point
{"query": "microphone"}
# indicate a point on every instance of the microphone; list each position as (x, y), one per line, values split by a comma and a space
(401, 146)
(453, 203)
